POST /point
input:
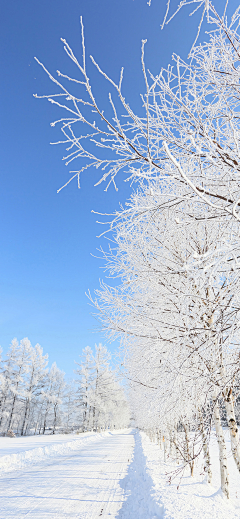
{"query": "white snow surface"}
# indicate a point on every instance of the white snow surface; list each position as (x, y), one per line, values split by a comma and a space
(80, 484)
(192, 498)
(17, 453)
(24, 443)
(118, 474)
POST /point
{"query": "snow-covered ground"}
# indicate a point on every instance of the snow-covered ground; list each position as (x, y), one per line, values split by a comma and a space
(17, 453)
(23, 443)
(120, 475)
(83, 484)
(192, 499)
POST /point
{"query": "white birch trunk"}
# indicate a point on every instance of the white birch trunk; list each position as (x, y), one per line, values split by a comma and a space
(222, 451)
(206, 454)
(187, 453)
(233, 428)
(178, 455)
(164, 449)
(170, 444)
(160, 439)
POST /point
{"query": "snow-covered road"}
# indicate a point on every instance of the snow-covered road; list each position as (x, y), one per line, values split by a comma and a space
(83, 484)
(117, 475)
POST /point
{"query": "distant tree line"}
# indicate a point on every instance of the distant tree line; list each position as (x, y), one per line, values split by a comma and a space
(99, 396)
(35, 399)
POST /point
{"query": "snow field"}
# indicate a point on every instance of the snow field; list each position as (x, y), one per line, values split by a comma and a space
(21, 456)
(194, 499)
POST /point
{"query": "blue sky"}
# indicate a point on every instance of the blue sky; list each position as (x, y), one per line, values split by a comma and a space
(47, 238)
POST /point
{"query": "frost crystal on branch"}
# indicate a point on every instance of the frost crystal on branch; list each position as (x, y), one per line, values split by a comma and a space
(190, 131)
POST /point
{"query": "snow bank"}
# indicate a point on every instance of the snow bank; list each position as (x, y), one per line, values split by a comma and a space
(190, 497)
(142, 500)
(26, 443)
(25, 458)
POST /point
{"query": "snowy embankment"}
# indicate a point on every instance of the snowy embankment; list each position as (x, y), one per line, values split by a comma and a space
(187, 498)
(23, 452)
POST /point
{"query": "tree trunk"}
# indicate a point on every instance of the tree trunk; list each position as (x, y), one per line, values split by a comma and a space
(45, 422)
(55, 418)
(25, 418)
(11, 413)
(187, 455)
(164, 449)
(3, 406)
(233, 428)
(206, 454)
(222, 450)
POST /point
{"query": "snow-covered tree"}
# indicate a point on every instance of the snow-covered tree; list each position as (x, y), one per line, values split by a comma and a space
(34, 382)
(188, 133)
(100, 396)
(52, 398)
(177, 303)
(176, 308)
(30, 395)
(19, 356)
(70, 412)
(85, 373)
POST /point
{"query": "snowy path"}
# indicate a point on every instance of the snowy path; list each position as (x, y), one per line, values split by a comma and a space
(119, 475)
(81, 485)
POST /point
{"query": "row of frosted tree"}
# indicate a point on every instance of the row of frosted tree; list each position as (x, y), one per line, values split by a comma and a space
(99, 394)
(35, 399)
(174, 250)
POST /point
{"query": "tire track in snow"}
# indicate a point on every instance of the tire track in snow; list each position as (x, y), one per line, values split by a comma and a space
(84, 485)
(111, 499)
(76, 444)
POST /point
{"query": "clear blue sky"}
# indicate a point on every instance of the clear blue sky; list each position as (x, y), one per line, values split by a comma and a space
(47, 238)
